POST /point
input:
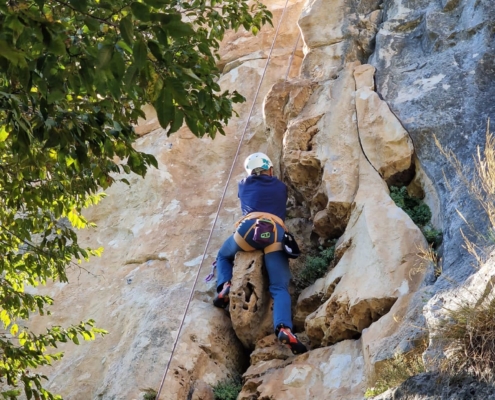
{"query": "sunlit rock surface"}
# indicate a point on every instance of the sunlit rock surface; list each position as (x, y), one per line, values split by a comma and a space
(250, 301)
(382, 245)
(335, 372)
(368, 79)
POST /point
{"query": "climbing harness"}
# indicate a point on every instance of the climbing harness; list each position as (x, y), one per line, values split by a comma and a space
(221, 203)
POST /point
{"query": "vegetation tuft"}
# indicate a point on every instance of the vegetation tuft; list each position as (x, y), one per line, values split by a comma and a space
(228, 389)
(315, 266)
(419, 212)
(468, 335)
(149, 394)
(480, 183)
(393, 372)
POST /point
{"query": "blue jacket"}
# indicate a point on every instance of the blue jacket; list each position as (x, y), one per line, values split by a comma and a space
(263, 193)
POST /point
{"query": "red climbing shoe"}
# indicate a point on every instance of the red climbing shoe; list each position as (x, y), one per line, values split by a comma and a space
(286, 336)
(221, 300)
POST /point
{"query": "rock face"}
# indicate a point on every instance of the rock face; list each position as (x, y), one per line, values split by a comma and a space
(368, 80)
(385, 142)
(213, 354)
(431, 386)
(336, 32)
(335, 372)
(434, 68)
(154, 233)
(375, 269)
(476, 291)
(250, 302)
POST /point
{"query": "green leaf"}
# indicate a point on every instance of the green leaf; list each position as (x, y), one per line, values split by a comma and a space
(76, 74)
(140, 11)
(177, 122)
(79, 5)
(178, 29)
(5, 318)
(3, 134)
(92, 24)
(127, 30)
(57, 45)
(117, 66)
(15, 56)
(161, 35)
(140, 53)
(55, 96)
(105, 55)
(155, 50)
(156, 3)
(164, 107)
(14, 329)
(130, 76)
(192, 124)
(190, 73)
(123, 45)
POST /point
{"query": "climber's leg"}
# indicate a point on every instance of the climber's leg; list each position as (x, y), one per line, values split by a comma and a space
(277, 266)
(225, 261)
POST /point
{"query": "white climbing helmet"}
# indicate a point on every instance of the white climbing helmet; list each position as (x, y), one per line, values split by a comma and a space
(257, 161)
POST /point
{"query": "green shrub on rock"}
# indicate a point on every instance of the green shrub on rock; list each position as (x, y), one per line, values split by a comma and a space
(418, 211)
(228, 389)
(315, 267)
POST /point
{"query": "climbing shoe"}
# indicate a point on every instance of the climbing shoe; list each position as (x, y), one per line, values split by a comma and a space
(221, 300)
(286, 336)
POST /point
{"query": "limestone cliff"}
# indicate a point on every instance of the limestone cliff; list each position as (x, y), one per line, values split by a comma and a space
(371, 85)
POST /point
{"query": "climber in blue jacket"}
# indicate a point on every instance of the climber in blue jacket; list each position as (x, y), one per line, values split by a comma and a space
(263, 198)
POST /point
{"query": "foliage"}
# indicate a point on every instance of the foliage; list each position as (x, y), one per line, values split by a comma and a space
(228, 389)
(315, 266)
(432, 235)
(74, 75)
(393, 372)
(468, 334)
(149, 394)
(418, 211)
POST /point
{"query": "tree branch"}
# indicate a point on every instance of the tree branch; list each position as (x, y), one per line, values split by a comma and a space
(102, 20)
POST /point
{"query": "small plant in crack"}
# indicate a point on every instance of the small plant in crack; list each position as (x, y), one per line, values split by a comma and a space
(228, 389)
(315, 266)
(393, 372)
(149, 394)
(419, 212)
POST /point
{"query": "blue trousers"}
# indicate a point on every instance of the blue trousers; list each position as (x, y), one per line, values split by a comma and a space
(277, 266)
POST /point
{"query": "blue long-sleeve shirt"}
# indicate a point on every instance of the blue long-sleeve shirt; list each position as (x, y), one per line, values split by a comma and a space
(263, 193)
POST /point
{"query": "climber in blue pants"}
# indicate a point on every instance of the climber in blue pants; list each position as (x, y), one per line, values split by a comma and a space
(263, 198)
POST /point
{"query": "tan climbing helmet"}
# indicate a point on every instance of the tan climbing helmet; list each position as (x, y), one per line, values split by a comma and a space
(256, 163)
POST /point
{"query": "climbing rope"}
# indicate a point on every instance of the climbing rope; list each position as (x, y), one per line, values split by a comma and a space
(221, 202)
(292, 57)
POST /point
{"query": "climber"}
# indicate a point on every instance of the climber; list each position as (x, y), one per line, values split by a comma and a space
(263, 198)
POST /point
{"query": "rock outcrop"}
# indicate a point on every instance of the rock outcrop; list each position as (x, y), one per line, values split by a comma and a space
(214, 353)
(433, 386)
(250, 302)
(375, 269)
(385, 142)
(335, 372)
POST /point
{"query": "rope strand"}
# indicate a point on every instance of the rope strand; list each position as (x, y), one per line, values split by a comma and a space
(221, 202)
(292, 57)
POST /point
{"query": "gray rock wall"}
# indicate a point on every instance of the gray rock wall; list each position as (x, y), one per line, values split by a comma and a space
(435, 64)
